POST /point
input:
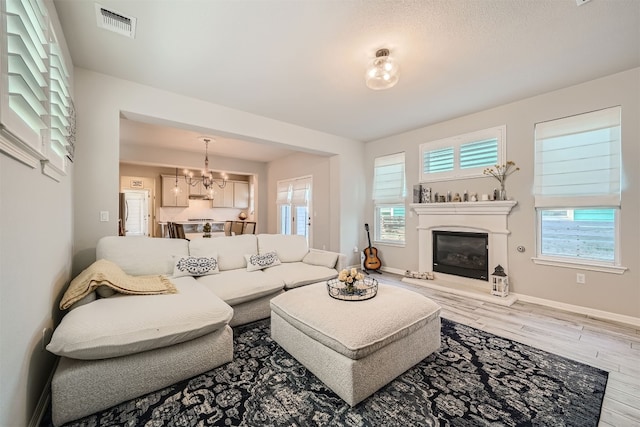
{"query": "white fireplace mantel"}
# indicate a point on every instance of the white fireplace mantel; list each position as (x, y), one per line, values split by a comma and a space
(465, 208)
(488, 217)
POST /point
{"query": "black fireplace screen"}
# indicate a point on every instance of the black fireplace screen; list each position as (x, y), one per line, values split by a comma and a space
(461, 254)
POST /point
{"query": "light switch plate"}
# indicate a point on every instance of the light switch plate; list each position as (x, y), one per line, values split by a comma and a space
(104, 216)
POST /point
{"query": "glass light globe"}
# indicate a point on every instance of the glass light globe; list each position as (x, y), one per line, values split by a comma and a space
(382, 72)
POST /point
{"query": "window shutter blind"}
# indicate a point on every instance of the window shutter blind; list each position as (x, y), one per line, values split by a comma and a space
(284, 192)
(27, 69)
(300, 191)
(439, 160)
(60, 102)
(479, 154)
(578, 160)
(389, 179)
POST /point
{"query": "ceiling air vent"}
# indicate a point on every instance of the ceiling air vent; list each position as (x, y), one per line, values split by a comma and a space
(115, 21)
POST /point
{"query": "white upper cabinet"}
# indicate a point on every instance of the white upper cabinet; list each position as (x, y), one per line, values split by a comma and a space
(175, 192)
(241, 195)
(234, 195)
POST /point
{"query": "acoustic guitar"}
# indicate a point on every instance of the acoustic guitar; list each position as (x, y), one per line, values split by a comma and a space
(371, 261)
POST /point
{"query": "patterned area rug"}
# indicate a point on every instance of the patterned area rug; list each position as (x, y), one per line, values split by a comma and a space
(475, 379)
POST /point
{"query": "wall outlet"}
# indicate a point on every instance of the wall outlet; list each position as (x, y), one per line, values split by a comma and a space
(104, 216)
(580, 278)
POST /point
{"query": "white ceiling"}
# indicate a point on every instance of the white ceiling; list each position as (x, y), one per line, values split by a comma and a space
(303, 61)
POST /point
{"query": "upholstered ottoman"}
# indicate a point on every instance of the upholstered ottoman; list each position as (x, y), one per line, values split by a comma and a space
(355, 347)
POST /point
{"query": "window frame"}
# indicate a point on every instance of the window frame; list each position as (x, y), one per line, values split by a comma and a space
(377, 218)
(18, 137)
(498, 132)
(398, 201)
(291, 194)
(571, 201)
(579, 263)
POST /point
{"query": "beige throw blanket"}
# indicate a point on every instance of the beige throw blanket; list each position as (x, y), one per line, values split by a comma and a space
(107, 273)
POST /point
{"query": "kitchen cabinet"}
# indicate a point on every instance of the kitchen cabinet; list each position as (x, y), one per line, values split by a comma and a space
(169, 196)
(234, 195)
(223, 197)
(198, 190)
(241, 195)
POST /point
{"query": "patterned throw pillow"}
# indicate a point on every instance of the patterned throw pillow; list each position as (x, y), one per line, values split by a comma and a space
(258, 262)
(196, 266)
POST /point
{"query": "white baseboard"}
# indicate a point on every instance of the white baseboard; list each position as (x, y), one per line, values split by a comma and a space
(45, 398)
(590, 312)
(386, 269)
(393, 270)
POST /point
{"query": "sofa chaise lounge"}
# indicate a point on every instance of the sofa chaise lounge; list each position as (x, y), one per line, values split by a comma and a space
(117, 347)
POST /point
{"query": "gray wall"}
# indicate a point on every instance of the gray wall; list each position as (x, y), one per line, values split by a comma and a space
(36, 245)
(35, 267)
(294, 166)
(98, 153)
(602, 291)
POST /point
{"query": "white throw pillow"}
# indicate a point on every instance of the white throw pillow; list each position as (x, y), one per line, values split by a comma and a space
(258, 262)
(322, 258)
(104, 291)
(196, 266)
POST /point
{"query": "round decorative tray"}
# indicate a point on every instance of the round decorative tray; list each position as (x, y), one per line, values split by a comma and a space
(364, 289)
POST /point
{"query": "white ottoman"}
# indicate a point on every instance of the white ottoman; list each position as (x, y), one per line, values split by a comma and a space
(355, 347)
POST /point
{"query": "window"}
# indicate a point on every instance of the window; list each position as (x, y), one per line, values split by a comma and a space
(577, 189)
(463, 156)
(36, 115)
(389, 192)
(293, 200)
(389, 224)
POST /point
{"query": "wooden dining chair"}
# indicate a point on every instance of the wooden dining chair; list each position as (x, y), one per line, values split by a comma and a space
(227, 228)
(171, 230)
(249, 227)
(179, 231)
(237, 228)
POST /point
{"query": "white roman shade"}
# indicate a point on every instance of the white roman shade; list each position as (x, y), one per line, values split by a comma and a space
(577, 160)
(284, 192)
(300, 191)
(389, 184)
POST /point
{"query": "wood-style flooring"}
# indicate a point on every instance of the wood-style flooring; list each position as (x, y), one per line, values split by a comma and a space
(613, 347)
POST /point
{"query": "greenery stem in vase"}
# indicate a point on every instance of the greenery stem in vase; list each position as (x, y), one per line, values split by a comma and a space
(501, 172)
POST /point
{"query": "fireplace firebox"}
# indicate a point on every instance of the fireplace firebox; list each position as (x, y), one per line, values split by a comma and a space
(461, 254)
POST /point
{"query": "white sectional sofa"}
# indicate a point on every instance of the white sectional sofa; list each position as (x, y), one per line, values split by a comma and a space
(117, 347)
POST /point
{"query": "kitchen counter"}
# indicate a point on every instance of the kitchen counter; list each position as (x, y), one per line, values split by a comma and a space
(193, 228)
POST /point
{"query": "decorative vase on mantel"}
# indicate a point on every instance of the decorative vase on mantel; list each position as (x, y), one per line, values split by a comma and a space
(502, 194)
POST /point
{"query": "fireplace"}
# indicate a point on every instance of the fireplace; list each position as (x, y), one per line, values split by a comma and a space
(461, 254)
(471, 219)
(487, 218)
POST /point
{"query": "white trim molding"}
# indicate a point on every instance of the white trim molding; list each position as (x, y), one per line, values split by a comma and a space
(589, 312)
(604, 268)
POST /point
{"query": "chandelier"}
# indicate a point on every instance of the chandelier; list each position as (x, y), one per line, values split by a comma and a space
(206, 177)
(382, 72)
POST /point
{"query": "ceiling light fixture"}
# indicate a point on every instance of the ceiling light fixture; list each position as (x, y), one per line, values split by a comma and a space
(382, 72)
(207, 177)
